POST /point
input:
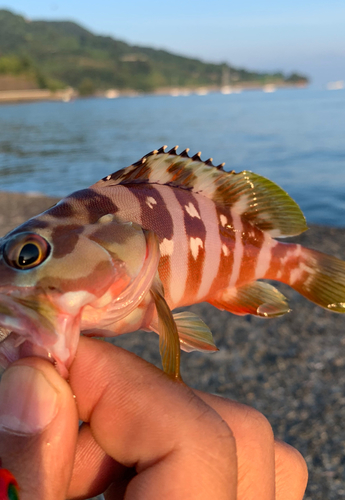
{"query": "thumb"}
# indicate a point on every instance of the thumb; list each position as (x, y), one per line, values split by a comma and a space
(38, 428)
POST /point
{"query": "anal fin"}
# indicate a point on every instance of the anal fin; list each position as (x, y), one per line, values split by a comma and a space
(194, 334)
(258, 298)
(169, 344)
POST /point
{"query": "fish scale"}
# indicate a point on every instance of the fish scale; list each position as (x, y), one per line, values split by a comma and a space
(168, 231)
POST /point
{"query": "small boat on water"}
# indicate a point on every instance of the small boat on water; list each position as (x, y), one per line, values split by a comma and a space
(269, 88)
(338, 85)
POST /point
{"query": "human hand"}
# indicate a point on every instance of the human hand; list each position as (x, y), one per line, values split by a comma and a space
(144, 435)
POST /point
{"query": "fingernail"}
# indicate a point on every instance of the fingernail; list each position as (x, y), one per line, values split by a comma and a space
(28, 402)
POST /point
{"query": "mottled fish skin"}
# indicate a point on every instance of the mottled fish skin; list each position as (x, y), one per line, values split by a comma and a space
(168, 231)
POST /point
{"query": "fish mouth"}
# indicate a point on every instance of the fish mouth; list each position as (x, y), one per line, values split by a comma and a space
(14, 346)
(32, 327)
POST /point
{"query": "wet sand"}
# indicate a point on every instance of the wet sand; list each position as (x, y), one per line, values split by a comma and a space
(292, 369)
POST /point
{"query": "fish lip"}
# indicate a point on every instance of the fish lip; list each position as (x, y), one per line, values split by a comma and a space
(26, 332)
(17, 316)
(15, 347)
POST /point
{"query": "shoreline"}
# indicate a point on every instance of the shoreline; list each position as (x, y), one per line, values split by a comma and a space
(69, 94)
(291, 368)
(33, 95)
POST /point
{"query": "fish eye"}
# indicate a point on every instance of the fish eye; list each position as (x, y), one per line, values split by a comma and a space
(26, 250)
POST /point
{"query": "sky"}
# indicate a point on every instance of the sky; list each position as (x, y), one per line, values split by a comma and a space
(307, 36)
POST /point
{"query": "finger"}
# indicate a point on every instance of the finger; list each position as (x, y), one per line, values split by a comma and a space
(38, 428)
(93, 469)
(179, 446)
(255, 446)
(291, 472)
(249, 427)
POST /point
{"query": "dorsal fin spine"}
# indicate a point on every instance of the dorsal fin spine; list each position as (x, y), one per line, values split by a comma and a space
(197, 156)
(139, 162)
(184, 153)
(162, 150)
(173, 151)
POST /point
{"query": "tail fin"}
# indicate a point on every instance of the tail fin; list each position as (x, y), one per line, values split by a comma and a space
(321, 279)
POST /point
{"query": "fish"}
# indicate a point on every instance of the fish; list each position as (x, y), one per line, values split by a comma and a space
(166, 232)
(9, 489)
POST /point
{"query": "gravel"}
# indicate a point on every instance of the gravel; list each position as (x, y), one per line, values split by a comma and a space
(292, 369)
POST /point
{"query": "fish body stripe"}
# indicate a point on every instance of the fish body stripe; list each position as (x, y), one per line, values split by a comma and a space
(287, 263)
(179, 257)
(212, 246)
(155, 214)
(265, 256)
(227, 240)
(196, 236)
(253, 246)
(88, 205)
(238, 249)
(194, 225)
(127, 203)
(145, 205)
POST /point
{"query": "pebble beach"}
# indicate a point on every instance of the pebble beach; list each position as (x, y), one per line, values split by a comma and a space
(292, 368)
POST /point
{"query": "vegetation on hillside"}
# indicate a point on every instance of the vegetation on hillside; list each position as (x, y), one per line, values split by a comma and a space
(23, 66)
(63, 53)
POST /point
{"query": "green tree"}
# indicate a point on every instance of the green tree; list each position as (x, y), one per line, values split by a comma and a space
(86, 87)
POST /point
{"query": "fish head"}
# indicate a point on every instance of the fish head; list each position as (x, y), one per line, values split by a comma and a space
(50, 270)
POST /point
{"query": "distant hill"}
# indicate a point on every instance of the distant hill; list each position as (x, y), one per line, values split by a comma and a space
(56, 54)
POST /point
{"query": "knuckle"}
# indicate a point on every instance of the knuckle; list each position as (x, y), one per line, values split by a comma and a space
(215, 424)
(257, 424)
(211, 426)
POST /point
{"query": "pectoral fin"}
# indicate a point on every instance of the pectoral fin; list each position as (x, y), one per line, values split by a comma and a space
(169, 344)
(258, 298)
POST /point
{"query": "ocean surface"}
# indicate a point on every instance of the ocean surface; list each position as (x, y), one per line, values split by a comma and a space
(295, 137)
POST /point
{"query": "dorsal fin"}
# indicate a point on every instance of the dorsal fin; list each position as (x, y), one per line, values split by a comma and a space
(256, 198)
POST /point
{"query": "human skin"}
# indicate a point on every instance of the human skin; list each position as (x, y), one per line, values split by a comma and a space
(144, 436)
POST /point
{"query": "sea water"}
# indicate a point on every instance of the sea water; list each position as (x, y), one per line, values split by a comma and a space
(295, 137)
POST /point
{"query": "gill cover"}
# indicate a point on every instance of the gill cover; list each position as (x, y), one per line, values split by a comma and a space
(138, 249)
